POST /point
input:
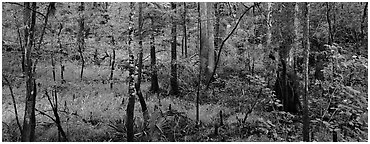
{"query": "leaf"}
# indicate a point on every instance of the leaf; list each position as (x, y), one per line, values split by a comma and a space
(349, 88)
(326, 123)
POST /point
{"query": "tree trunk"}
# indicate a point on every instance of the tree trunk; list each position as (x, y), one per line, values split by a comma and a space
(200, 65)
(80, 37)
(174, 90)
(330, 38)
(363, 22)
(112, 69)
(217, 36)
(269, 25)
(132, 77)
(144, 108)
(154, 78)
(29, 122)
(297, 24)
(207, 40)
(306, 45)
(185, 33)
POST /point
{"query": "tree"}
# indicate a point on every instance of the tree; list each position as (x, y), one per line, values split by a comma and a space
(297, 35)
(154, 78)
(306, 45)
(217, 34)
(207, 39)
(330, 39)
(269, 25)
(174, 88)
(363, 22)
(80, 36)
(29, 122)
(185, 38)
(144, 108)
(132, 77)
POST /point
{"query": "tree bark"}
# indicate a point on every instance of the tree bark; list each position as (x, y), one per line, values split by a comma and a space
(306, 44)
(29, 122)
(80, 37)
(174, 90)
(132, 77)
(154, 78)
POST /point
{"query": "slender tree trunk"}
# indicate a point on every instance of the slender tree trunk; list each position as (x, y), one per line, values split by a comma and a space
(200, 65)
(185, 33)
(306, 44)
(269, 25)
(154, 82)
(61, 57)
(363, 22)
(80, 37)
(330, 39)
(217, 35)
(144, 108)
(29, 122)
(174, 88)
(14, 104)
(112, 69)
(132, 77)
(296, 33)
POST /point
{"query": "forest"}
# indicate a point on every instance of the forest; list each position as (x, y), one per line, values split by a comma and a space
(184, 71)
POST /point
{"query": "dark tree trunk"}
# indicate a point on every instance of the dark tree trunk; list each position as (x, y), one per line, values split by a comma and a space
(131, 90)
(29, 122)
(363, 22)
(200, 66)
(306, 45)
(112, 69)
(174, 90)
(144, 108)
(330, 39)
(185, 33)
(80, 37)
(154, 78)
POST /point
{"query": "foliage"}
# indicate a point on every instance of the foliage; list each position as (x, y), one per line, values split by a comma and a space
(240, 93)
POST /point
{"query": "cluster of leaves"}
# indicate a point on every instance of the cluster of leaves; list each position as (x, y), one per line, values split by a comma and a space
(343, 99)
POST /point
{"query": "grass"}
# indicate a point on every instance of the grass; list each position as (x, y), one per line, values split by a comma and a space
(90, 111)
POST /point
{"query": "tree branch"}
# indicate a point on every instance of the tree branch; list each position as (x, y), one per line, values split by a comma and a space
(28, 8)
(223, 42)
(14, 104)
(42, 113)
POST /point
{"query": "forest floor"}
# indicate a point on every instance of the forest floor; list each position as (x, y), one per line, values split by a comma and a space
(91, 111)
